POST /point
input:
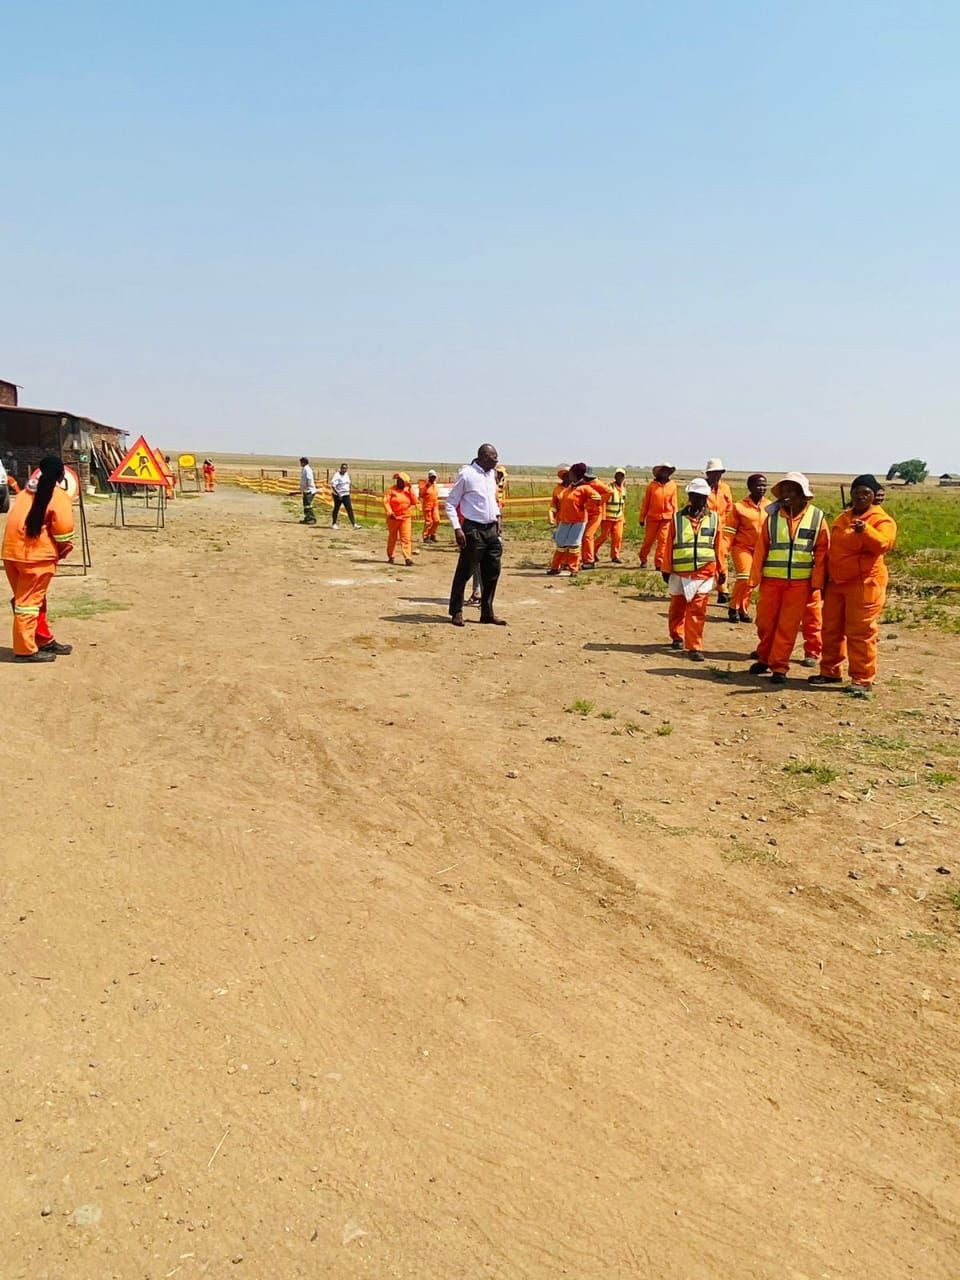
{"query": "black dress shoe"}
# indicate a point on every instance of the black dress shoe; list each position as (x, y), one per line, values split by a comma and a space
(41, 655)
(494, 621)
(457, 619)
(55, 647)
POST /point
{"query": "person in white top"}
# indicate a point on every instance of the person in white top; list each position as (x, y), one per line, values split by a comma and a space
(308, 491)
(340, 484)
(474, 512)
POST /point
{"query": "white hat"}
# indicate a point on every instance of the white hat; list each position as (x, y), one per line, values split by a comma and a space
(669, 466)
(699, 486)
(714, 464)
(796, 477)
(431, 472)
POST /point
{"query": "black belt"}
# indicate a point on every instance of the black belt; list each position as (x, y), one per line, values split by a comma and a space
(475, 524)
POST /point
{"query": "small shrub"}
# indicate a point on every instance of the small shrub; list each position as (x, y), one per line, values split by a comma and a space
(580, 707)
(664, 730)
(822, 773)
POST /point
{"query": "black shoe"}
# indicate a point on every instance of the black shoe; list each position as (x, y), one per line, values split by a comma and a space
(744, 616)
(41, 655)
(696, 656)
(722, 598)
(612, 561)
(676, 644)
(589, 564)
(457, 619)
(758, 668)
(778, 677)
(732, 615)
(824, 679)
(54, 647)
(553, 573)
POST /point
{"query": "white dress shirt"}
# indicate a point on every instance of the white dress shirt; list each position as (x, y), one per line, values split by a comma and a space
(340, 483)
(307, 484)
(475, 492)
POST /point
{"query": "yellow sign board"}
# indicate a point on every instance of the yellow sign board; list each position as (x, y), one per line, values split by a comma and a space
(186, 460)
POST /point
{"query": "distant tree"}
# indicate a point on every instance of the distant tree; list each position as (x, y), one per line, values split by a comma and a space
(913, 471)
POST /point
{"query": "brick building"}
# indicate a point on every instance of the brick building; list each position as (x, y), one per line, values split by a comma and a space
(28, 434)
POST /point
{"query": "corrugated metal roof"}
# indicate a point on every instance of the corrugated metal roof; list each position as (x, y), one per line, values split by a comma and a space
(60, 413)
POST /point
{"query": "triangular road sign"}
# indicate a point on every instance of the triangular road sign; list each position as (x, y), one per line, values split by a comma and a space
(164, 469)
(138, 467)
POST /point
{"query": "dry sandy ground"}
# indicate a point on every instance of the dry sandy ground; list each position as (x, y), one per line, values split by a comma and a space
(334, 946)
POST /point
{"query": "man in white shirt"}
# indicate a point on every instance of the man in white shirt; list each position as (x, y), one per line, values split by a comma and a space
(474, 512)
(340, 484)
(308, 491)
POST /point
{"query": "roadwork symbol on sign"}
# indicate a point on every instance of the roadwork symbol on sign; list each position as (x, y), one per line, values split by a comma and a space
(139, 467)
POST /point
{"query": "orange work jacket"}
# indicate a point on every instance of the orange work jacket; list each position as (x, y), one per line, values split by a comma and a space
(742, 526)
(659, 501)
(707, 570)
(57, 531)
(820, 550)
(575, 503)
(429, 498)
(398, 502)
(860, 555)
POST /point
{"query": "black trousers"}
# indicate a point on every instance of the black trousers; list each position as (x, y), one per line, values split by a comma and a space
(342, 500)
(483, 551)
(308, 513)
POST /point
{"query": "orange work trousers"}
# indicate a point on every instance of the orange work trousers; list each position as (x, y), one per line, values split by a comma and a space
(686, 618)
(208, 484)
(30, 583)
(612, 529)
(742, 593)
(588, 552)
(431, 522)
(566, 558)
(400, 529)
(654, 534)
(780, 610)
(811, 626)
(851, 623)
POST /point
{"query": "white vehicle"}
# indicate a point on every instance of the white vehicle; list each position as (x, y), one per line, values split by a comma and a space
(4, 490)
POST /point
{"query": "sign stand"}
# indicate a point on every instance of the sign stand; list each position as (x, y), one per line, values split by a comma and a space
(86, 559)
(120, 510)
(140, 469)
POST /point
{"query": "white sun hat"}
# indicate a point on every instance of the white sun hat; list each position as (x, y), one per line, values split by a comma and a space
(796, 477)
(668, 465)
(714, 464)
(699, 486)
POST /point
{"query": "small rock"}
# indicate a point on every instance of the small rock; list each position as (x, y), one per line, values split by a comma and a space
(900, 841)
(237, 1257)
(512, 773)
(943, 871)
(46, 1211)
(855, 875)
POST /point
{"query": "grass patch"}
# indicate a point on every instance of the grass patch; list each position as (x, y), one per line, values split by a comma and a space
(718, 673)
(606, 715)
(740, 851)
(664, 730)
(86, 606)
(580, 707)
(631, 727)
(929, 941)
(940, 778)
(955, 898)
(813, 769)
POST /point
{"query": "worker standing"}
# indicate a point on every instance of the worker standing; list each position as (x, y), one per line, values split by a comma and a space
(209, 476)
(657, 509)
(37, 536)
(789, 565)
(340, 486)
(596, 508)
(572, 513)
(308, 491)
(740, 535)
(563, 474)
(399, 502)
(856, 588)
(691, 564)
(430, 506)
(614, 515)
(720, 501)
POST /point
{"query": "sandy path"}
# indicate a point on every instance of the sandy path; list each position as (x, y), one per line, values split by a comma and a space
(270, 879)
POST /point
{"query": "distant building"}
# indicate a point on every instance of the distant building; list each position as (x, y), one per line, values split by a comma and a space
(8, 392)
(28, 434)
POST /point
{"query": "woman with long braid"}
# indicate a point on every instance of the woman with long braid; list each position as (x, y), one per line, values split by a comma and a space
(38, 534)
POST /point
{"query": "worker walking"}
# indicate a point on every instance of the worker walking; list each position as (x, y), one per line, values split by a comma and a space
(691, 566)
(721, 501)
(789, 566)
(399, 503)
(595, 511)
(308, 491)
(430, 506)
(657, 510)
(340, 486)
(614, 515)
(209, 476)
(37, 536)
(740, 533)
(572, 513)
(856, 588)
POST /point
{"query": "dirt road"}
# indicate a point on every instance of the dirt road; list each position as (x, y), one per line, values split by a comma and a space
(333, 945)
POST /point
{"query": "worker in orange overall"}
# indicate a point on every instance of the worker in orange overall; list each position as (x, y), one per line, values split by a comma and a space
(563, 474)
(614, 515)
(721, 501)
(574, 508)
(595, 514)
(209, 476)
(399, 502)
(691, 564)
(657, 509)
(789, 566)
(856, 589)
(740, 536)
(430, 506)
(501, 475)
(37, 536)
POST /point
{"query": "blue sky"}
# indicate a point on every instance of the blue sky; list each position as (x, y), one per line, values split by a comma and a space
(609, 230)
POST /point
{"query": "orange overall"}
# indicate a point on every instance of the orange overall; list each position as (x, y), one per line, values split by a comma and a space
(399, 504)
(657, 509)
(721, 501)
(31, 563)
(595, 513)
(741, 530)
(611, 524)
(856, 590)
(686, 618)
(430, 506)
(573, 508)
(209, 477)
(783, 599)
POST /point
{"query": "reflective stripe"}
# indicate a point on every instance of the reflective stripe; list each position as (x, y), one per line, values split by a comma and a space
(28, 610)
(694, 548)
(63, 537)
(616, 504)
(789, 558)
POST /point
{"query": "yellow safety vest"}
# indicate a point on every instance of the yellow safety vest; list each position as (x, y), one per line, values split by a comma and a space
(694, 548)
(617, 502)
(789, 558)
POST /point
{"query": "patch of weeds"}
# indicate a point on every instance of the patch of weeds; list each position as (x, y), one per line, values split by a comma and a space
(606, 715)
(955, 898)
(740, 851)
(718, 673)
(580, 707)
(821, 773)
(940, 777)
(928, 941)
(216, 546)
(635, 580)
(664, 730)
(631, 727)
(86, 607)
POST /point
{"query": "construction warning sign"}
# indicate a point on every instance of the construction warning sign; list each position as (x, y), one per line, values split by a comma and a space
(139, 467)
